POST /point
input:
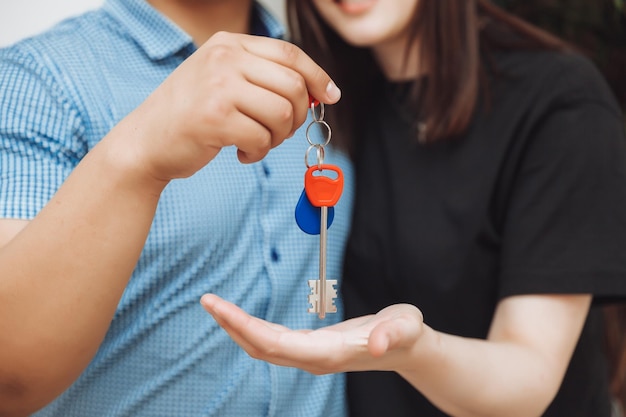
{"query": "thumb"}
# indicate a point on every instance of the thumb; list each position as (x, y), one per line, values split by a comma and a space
(401, 330)
(330, 95)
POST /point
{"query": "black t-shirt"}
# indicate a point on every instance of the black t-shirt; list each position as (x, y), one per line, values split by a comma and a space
(532, 200)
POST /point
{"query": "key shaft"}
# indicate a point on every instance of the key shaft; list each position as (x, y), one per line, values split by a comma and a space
(323, 239)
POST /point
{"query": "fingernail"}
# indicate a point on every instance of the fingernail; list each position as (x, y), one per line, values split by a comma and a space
(205, 300)
(332, 91)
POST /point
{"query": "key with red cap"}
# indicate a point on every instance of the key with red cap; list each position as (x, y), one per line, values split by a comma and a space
(323, 191)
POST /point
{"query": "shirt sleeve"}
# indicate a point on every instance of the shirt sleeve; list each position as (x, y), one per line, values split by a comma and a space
(40, 134)
(565, 228)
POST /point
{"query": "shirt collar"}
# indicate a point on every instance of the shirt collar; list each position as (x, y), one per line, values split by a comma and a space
(265, 24)
(160, 38)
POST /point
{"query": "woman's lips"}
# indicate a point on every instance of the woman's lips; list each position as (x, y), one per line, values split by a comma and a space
(355, 6)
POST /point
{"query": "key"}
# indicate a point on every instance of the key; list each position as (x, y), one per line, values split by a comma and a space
(329, 293)
(323, 192)
(323, 292)
(308, 217)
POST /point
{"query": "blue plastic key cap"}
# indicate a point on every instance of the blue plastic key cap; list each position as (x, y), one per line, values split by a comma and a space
(308, 217)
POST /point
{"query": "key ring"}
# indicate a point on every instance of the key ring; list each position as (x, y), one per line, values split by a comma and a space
(319, 121)
(320, 156)
(315, 103)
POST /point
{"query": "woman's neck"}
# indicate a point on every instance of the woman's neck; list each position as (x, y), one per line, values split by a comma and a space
(395, 63)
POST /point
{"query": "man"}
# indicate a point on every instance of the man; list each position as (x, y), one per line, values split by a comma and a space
(135, 176)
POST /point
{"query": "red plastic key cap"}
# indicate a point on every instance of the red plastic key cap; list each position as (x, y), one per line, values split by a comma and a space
(321, 190)
(313, 102)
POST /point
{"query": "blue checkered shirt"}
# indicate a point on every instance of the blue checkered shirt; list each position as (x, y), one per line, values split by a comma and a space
(229, 229)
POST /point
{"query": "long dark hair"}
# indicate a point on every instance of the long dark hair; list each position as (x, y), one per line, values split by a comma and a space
(455, 37)
(615, 340)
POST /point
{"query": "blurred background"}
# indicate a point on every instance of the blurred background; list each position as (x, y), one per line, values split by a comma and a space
(20, 18)
(596, 27)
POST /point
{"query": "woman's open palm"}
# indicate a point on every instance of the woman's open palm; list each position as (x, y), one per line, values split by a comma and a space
(374, 342)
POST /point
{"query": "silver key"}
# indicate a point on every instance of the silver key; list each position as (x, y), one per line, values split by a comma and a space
(323, 292)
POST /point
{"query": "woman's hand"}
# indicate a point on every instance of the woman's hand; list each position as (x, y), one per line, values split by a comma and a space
(516, 371)
(374, 342)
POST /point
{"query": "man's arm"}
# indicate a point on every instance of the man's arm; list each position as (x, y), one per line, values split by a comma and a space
(63, 273)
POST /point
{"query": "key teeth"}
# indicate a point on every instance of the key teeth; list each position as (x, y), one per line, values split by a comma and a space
(313, 298)
(331, 295)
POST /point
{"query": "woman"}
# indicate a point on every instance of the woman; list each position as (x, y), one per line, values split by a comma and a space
(490, 215)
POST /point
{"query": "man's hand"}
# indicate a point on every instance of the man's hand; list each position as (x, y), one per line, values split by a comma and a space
(236, 90)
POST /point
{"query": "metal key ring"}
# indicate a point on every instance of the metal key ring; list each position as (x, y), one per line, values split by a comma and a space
(320, 156)
(329, 133)
(322, 112)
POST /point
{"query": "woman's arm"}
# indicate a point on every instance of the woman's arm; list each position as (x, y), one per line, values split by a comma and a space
(515, 372)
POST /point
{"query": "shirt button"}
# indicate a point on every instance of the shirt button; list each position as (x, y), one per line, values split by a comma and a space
(266, 169)
(274, 255)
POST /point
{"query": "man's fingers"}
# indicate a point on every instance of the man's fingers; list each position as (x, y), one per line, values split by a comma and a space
(275, 82)
(318, 82)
